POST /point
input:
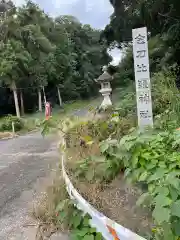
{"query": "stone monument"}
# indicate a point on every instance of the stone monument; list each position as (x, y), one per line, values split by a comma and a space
(104, 80)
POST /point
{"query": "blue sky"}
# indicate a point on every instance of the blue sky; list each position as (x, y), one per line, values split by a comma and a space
(93, 12)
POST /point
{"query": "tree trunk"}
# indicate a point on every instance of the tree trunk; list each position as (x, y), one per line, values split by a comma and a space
(44, 94)
(22, 102)
(15, 99)
(40, 100)
(59, 96)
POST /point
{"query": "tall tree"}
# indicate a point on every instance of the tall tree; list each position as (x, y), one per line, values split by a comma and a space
(13, 57)
(32, 21)
(59, 54)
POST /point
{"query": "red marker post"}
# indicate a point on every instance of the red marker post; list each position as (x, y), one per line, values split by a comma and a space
(47, 110)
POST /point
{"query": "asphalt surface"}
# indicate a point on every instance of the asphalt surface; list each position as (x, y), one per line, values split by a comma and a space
(24, 161)
(25, 164)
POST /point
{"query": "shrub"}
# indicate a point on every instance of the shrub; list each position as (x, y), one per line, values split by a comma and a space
(6, 124)
(76, 221)
(99, 169)
(165, 94)
(127, 105)
(168, 120)
(153, 158)
(127, 101)
(111, 126)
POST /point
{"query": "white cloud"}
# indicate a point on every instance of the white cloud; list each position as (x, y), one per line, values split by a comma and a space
(18, 2)
(94, 12)
(61, 3)
(117, 56)
(93, 5)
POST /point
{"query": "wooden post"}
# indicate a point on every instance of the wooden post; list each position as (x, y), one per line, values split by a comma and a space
(22, 102)
(40, 100)
(59, 96)
(13, 128)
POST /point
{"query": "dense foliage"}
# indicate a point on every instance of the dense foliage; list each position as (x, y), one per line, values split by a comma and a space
(160, 17)
(75, 220)
(155, 160)
(6, 123)
(162, 21)
(149, 159)
(38, 54)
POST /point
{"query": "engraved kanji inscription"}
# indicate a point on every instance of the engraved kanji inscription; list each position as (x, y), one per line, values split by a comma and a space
(143, 83)
(140, 39)
(141, 54)
(141, 68)
(144, 114)
(144, 98)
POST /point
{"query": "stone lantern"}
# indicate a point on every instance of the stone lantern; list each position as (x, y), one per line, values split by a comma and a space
(104, 80)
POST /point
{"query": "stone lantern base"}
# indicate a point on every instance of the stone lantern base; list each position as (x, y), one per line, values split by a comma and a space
(107, 100)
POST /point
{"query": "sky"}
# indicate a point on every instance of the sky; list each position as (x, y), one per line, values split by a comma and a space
(93, 12)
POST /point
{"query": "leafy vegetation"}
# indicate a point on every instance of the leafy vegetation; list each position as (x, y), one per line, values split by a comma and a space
(60, 213)
(149, 159)
(153, 158)
(101, 149)
(6, 123)
(99, 169)
(160, 17)
(76, 222)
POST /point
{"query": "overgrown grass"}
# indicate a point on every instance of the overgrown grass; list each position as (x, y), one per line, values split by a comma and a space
(91, 173)
(93, 166)
(45, 209)
(56, 211)
(33, 121)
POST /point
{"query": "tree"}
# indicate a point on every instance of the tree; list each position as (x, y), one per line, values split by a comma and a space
(13, 57)
(60, 55)
(162, 20)
(31, 18)
(161, 17)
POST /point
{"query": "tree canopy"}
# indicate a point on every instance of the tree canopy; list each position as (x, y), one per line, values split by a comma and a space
(162, 19)
(161, 16)
(39, 53)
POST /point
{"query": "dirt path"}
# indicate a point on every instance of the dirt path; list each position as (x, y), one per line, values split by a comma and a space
(25, 163)
(119, 203)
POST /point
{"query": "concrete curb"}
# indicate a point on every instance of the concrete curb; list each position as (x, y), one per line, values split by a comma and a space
(7, 138)
(19, 135)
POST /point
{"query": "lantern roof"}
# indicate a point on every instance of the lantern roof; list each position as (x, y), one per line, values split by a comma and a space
(105, 77)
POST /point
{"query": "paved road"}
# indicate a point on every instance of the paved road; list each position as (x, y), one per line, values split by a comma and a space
(23, 162)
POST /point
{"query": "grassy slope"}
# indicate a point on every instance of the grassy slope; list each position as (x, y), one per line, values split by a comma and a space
(32, 121)
(118, 199)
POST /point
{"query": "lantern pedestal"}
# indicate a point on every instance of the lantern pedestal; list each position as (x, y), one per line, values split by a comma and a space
(106, 95)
